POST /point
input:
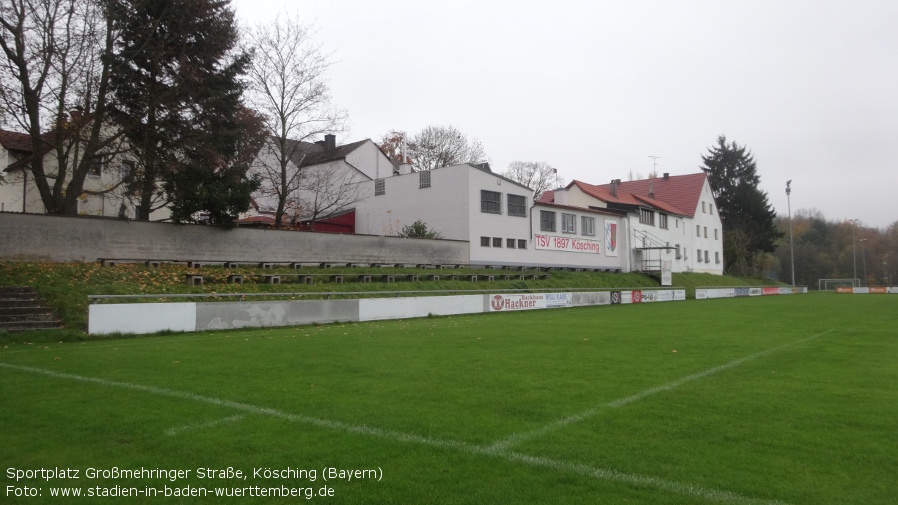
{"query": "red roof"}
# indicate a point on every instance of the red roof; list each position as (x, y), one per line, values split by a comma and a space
(678, 194)
(15, 141)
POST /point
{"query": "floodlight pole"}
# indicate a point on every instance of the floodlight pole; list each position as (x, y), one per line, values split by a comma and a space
(864, 257)
(854, 246)
(791, 242)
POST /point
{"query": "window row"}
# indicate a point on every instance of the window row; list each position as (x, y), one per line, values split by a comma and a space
(547, 222)
(423, 182)
(510, 243)
(698, 232)
(491, 203)
(706, 258)
(709, 207)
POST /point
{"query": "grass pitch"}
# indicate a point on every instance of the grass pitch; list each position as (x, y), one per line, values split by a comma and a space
(744, 401)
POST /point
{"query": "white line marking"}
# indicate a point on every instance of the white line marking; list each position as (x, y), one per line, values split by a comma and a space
(513, 440)
(496, 451)
(200, 426)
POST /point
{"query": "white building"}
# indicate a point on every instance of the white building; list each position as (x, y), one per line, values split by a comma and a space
(323, 179)
(496, 215)
(669, 218)
(103, 194)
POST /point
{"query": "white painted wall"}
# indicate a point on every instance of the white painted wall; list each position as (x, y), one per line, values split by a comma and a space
(605, 259)
(370, 160)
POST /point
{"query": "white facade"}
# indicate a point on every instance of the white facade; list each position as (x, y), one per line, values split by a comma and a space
(495, 215)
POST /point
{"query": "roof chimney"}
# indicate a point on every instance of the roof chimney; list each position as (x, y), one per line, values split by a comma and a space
(652, 190)
(330, 143)
(614, 183)
(666, 176)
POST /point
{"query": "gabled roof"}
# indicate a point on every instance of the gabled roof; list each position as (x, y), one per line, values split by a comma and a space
(14, 141)
(677, 194)
(308, 153)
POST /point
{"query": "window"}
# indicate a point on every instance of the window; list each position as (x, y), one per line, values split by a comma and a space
(126, 169)
(510, 243)
(646, 217)
(703, 208)
(679, 255)
(717, 257)
(517, 205)
(546, 220)
(497, 242)
(706, 257)
(379, 187)
(711, 208)
(522, 244)
(715, 234)
(490, 201)
(95, 168)
(662, 221)
(424, 179)
(588, 226)
(706, 232)
(484, 241)
(568, 223)
(698, 230)
(699, 255)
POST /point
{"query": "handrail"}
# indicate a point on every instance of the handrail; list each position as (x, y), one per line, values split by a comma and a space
(92, 298)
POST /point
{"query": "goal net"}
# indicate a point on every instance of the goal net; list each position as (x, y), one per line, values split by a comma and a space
(832, 284)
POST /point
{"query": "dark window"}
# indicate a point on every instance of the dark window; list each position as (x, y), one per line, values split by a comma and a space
(546, 220)
(484, 241)
(490, 201)
(497, 242)
(424, 179)
(510, 243)
(379, 187)
(522, 244)
(517, 205)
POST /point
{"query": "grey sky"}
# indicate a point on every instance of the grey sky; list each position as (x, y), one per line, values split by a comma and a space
(597, 87)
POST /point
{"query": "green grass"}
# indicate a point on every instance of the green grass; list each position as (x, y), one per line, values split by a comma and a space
(66, 286)
(787, 399)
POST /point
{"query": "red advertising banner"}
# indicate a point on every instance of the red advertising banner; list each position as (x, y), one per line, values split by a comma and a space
(770, 291)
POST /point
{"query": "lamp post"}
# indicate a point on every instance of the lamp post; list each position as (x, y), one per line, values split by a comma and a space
(854, 247)
(864, 257)
(791, 243)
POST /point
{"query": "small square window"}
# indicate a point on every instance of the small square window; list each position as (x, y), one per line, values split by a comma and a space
(588, 225)
(497, 242)
(546, 220)
(568, 223)
(510, 243)
(484, 241)
(522, 244)
(96, 168)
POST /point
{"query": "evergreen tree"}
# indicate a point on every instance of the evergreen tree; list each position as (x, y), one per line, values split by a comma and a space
(748, 219)
(177, 77)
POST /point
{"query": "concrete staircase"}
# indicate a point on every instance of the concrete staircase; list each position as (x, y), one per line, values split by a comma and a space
(21, 309)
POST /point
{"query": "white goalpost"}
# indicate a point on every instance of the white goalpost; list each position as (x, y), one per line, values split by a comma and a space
(832, 284)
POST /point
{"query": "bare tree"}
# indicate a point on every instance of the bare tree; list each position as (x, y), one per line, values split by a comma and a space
(536, 175)
(328, 188)
(442, 146)
(54, 77)
(288, 87)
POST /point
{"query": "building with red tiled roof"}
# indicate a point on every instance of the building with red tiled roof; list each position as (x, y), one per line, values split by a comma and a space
(670, 220)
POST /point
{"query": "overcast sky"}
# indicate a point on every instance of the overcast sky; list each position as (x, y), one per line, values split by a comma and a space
(597, 87)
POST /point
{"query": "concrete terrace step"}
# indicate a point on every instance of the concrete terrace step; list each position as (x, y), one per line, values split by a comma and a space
(21, 309)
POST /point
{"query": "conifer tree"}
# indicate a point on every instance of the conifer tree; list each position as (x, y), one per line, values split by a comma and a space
(746, 215)
(177, 78)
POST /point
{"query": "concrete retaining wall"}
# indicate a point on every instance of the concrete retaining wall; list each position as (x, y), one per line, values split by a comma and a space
(142, 318)
(32, 237)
